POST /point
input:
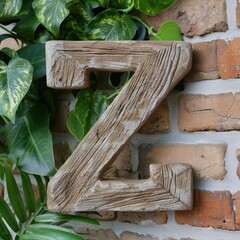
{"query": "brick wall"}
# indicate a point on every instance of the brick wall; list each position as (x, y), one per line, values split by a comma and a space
(198, 125)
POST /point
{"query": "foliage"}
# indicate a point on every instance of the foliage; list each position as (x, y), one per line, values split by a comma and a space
(26, 105)
(27, 216)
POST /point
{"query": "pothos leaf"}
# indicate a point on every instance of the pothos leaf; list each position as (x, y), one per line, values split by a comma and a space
(51, 13)
(110, 25)
(103, 3)
(120, 4)
(89, 107)
(9, 8)
(168, 31)
(30, 142)
(15, 80)
(152, 7)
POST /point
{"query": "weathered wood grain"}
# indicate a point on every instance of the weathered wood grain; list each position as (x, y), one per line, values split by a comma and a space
(78, 185)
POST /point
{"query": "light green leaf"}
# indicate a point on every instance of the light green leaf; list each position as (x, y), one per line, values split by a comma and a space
(9, 52)
(51, 13)
(36, 237)
(30, 142)
(110, 25)
(168, 31)
(7, 215)
(60, 233)
(88, 109)
(35, 54)
(152, 7)
(103, 3)
(15, 80)
(14, 195)
(9, 8)
(56, 217)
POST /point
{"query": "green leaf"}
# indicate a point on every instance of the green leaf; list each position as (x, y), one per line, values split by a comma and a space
(28, 192)
(81, 11)
(168, 31)
(152, 7)
(56, 217)
(7, 215)
(110, 25)
(4, 232)
(9, 8)
(9, 52)
(103, 3)
(30, 141)
(89, 107)
(36, 237)
(1, 173)
(120, 4)
(60, 233)
(4, 36)
(14, 195)
(41, 188)
(35, 54)
(51, 13)
(15, 80)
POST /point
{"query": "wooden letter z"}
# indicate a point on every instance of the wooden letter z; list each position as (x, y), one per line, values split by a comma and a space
(78, 184)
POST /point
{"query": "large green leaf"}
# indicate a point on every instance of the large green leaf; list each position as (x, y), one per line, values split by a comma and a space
(4, 232)
(35, 54)
(103, 3)
(15, 80)
(30, 142)
(9, 8)
(110, 25)
(120, 4)
(89, 107)
(168, 31)
(152, 7)
(51, 13)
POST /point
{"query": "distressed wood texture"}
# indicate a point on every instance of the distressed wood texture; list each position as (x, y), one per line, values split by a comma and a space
(79, 184)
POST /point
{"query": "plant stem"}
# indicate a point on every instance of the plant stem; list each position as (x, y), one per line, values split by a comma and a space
(7, 30)
(149, 29)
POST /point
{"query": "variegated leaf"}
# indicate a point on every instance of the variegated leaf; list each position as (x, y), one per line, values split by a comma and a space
(120, 4)
(9, 8)
(110, 25)
(15, 80)
(51, 13)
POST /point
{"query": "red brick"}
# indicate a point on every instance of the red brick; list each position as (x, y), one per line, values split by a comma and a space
(61, 153)
(159, 121)
(204, 62)
(211, 209)
(238, 13)
(218, 112)
(1, 189)
(135, 236)
(229, 59)
(236, 202)
(138, 217)
(207, 160)
(105, 216)
(194, 17)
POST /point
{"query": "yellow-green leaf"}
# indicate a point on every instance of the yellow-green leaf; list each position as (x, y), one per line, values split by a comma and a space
(9, 8)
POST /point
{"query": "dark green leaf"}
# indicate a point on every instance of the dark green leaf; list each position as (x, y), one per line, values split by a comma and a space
(28, 192)
(30, 141)
(4, 36)
(60, 233)
(56, 217)
(89, 107)
(93, 3)
(168, 31)
(1, 172)
(15, 80)
(41, 188)
(51, 13)
(43, 36)
(103, 3)
(4, 232)
(110, 25)
(9, 8)
(35, 54)
(152, 7)
(81, 11)
(14, 195)
(48, 99)
(7, 215)
(120, 4)
(9, 52)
